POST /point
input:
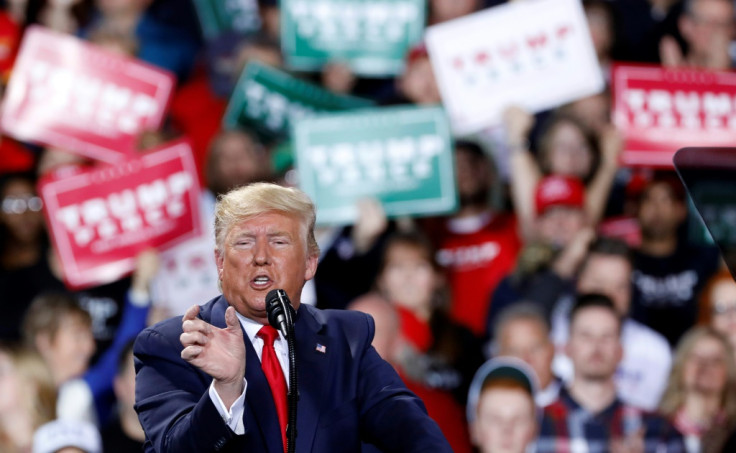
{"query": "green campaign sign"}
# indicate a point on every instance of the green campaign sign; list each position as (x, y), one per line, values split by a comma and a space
(403, 156)
(268, 101)
(218, 17)
(371, 36)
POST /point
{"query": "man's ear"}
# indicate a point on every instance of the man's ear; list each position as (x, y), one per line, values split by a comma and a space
(312, 262)
(219, 260)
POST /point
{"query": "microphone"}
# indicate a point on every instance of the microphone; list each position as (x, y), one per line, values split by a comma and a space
(281, 316)
(276, 302)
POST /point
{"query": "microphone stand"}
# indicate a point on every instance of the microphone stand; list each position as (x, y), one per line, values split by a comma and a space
(293, 395)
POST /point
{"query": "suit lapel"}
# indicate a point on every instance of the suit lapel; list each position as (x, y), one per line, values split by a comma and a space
(313, 356)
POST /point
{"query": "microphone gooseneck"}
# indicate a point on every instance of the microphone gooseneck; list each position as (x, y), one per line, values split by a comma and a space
(281, 316)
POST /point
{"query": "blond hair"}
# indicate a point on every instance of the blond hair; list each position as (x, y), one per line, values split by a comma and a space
(674, 395)
(260, 198)
(37, 392)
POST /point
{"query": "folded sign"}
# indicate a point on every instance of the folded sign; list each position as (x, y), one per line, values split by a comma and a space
(72, 95)
(662, 110)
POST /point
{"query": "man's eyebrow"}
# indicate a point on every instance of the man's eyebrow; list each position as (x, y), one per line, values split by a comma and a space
(250, 234)
(272, 234)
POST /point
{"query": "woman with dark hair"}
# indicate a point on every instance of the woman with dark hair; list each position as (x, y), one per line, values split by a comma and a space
(566, 147)
(24, 265)
(435, 350)
(435, 356)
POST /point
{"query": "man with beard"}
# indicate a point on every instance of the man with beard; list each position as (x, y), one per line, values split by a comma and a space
(477, 246)
(668, 271)
(588, 416)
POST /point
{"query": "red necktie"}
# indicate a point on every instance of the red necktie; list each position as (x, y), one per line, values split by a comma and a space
(274, 375)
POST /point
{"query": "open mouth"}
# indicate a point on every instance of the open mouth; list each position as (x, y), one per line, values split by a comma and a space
(261, 282)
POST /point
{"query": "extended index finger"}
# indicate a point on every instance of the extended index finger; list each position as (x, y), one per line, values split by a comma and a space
(191, 313)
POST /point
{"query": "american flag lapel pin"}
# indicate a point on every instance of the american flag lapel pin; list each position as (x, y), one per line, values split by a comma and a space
(321, 348)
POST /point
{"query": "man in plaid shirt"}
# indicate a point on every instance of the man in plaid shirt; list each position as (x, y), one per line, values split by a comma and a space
(588, 417)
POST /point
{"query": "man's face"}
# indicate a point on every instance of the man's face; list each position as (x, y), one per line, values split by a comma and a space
(474, 177)
(559, 224)
(238, 162)
(594, 345)
(660, 213)
(609, 275)
(527, 339)
(506, 422)
(265, 252)
(708, 27)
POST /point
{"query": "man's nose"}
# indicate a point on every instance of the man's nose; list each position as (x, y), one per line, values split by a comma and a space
(260, 253)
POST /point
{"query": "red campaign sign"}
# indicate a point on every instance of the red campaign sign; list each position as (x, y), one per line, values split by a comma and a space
(100, 219)
(661, 110)
(70, 94)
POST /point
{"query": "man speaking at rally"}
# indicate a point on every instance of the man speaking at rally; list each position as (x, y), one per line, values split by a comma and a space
(216, 379)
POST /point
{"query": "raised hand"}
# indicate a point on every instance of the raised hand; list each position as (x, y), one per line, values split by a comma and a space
(371, 223)
(146, 265)
(518, 123)
(218, 352)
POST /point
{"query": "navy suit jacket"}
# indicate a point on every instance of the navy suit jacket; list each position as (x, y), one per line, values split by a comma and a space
(347, 393)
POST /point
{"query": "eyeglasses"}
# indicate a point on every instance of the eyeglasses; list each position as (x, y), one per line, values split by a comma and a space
(713, 23)
(704, 360)
(19, 205)
(724, 308)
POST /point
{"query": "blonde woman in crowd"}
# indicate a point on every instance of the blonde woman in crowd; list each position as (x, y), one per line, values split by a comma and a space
(27, 397)
(700, 398)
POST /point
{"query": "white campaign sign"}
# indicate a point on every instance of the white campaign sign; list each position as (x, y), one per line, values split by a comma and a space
(537, 54)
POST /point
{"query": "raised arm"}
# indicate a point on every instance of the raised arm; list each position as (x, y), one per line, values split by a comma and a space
(525, 172)
(596, 194)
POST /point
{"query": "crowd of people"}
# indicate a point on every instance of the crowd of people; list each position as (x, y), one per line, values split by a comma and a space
(563, 306)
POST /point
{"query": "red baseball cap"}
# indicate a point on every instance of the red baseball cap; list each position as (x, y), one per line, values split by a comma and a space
(559, 191)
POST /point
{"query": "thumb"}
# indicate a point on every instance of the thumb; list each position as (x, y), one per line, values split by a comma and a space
(231, 319)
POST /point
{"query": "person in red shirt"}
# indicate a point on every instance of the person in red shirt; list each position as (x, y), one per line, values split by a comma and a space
(478, 245)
